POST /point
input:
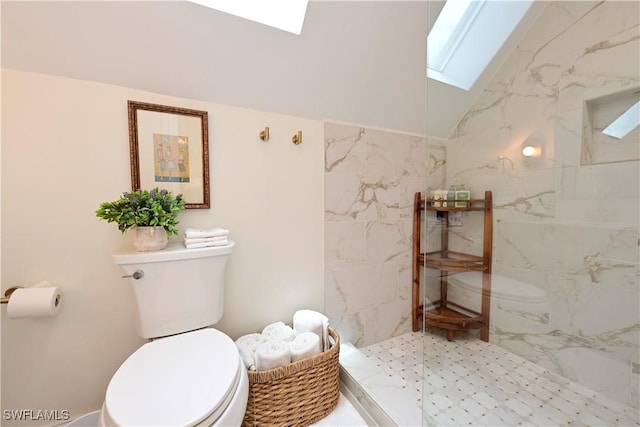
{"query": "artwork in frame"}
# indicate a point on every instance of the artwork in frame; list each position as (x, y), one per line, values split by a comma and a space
(169, 149)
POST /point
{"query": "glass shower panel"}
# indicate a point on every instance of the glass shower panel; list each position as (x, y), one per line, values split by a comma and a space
(565, 288)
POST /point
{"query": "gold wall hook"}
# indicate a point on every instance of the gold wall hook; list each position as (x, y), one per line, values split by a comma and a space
(297, 138)
(264, 134)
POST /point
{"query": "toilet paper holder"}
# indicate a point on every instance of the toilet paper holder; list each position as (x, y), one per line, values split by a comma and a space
(7, 294)
(11, 290)
(40, 300)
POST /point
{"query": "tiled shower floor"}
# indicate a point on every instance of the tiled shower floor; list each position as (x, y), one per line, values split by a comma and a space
(468, 382)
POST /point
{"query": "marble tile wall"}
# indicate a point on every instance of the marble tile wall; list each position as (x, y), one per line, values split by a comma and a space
(567, 228)
(371, 177)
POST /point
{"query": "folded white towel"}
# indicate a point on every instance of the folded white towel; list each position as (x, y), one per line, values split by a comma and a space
(205, 239)
(312, 321)
(307, 344)
(279, 331)
(272, 354)
(247, 345)
(224, 242)
(199, 233)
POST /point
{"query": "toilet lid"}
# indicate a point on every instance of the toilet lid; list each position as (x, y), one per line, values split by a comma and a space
(178, 380)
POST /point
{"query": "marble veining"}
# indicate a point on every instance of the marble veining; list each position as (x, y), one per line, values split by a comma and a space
(527, 204)
(568, 222)
(370, 179)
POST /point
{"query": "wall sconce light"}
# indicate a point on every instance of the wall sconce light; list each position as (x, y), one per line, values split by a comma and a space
(531, 151)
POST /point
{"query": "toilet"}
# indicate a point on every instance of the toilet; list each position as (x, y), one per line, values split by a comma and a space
(503, 289)
(509, 296)
(188, 374)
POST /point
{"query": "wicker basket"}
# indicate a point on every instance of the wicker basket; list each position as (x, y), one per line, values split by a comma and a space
(297, 394)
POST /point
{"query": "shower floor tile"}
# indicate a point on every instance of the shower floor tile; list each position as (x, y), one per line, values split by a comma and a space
(471, 382)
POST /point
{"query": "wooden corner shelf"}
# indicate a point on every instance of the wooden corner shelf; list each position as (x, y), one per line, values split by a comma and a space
(452, 261)
(443, 313)
(443, 205)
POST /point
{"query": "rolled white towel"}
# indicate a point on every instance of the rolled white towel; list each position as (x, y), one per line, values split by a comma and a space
(312, 321)
(272, 354)
(272, 326)
(307, 344)
(199, 233)
(247, 345)
(279, 331)
(248, 359)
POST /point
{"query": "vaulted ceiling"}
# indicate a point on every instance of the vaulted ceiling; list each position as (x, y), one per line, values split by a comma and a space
(361, 62)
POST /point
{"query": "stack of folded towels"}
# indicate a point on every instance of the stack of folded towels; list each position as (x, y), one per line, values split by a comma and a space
(195, 238)
(280, 344)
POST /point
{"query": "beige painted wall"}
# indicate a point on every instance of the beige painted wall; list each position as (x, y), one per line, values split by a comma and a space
(65, 149)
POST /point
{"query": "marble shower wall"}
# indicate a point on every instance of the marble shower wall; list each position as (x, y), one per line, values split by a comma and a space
(371, 177)
(570, 229)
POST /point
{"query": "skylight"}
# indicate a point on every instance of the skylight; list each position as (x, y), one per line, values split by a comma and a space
(624, 124)
(287, 15)
(466, 37)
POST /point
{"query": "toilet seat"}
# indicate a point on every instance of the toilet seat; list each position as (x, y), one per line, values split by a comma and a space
(179, 380)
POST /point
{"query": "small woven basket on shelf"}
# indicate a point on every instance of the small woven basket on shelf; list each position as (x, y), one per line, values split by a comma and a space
(297, 394)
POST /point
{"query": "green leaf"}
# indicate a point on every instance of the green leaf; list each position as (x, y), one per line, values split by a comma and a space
(144, 208)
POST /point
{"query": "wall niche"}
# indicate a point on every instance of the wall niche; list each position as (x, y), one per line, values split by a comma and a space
(611, 128)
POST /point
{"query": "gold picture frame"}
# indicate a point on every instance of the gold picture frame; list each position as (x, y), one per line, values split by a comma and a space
(169, 148)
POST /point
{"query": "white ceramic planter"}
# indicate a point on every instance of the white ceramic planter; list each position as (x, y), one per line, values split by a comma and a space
(147, 239)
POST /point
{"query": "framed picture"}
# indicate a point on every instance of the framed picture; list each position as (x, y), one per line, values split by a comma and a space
(169, 149)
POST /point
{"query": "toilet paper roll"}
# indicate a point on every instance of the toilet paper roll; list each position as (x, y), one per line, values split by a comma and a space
(34, 302)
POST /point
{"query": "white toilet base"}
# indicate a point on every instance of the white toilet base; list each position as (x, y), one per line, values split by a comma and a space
(234, 414)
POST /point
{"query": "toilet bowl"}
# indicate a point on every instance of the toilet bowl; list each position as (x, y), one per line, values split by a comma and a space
(191, 379)
(502, 288)
(189, 374)
(509, 297)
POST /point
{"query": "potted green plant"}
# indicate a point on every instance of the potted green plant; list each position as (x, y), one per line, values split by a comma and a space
(152, 213)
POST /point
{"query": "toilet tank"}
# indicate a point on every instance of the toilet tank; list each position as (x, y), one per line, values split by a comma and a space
(176, 289)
